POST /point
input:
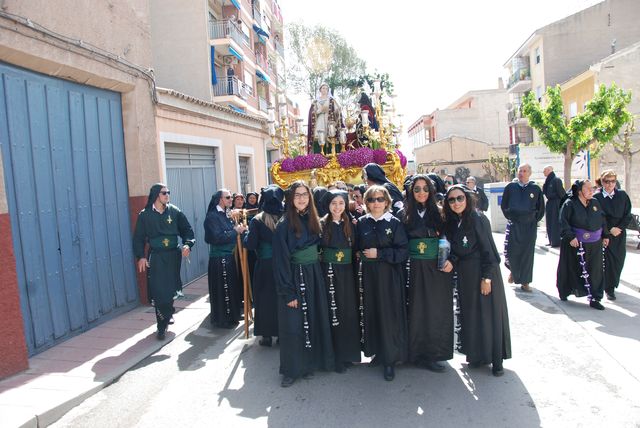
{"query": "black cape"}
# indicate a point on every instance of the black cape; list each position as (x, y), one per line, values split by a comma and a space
(295, 358)
(485, 334)
(618, 214)
(384, 321)
(430, 298)
(523, 206)
(554, 191)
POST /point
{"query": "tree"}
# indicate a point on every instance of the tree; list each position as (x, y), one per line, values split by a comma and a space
(318, 55)
(623, 145)
(499, 167)
(592, 129)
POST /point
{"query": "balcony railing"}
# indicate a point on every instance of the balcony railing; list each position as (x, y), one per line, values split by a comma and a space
(279, 47)
(232, 86)
(515, 115)
(224, 30)
(519, 75)
(262, 103)
(261, 61)
(257, 16)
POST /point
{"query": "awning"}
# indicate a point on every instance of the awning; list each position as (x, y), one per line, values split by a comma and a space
(233, 52)
(236, 109)
(262, 39)
(262, 76)
(214, 78)
(236, 3)
(260, 31)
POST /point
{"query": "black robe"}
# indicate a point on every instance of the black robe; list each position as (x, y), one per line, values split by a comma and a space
(554, 191)
(346, 335)
(485, 332)
(225, 289)
(163, 275)
(569, 279)
(618, 214)
(523, 206)
(483, 202)
(384, 318)
(430, 296)
(265, 297)
(295, 358)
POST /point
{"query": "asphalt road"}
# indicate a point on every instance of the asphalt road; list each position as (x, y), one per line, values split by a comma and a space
(572, 366)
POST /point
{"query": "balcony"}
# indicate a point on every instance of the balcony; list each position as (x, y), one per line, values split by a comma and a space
(225, 30)
(279, 48)
(515, 116)
(233, 91)
(262, 104)
(257, 16)
(261, 62)
(520, 81)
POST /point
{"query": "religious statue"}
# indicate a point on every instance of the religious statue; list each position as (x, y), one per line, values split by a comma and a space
(367, 113)
(325, 122)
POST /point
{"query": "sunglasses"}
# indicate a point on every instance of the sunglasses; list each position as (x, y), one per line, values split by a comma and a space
(418, 189)
(453, 200)
(380, 199)
(448, 182)
(168, 192)
(609, 181)
(227, 197)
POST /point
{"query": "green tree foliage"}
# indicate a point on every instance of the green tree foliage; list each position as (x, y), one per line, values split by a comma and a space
(499, 167)
(319, 54)
(592, 129)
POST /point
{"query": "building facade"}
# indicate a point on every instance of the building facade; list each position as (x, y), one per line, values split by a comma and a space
(78, 153)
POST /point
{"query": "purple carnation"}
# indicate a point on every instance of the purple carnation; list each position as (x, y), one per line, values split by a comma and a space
(403, 159)
(380, 156)
(287, 165)
(357, 157)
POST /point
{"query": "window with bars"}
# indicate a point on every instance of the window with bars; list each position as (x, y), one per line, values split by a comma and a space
(245, 179)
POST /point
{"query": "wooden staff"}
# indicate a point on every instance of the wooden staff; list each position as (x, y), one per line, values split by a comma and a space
(243, 256)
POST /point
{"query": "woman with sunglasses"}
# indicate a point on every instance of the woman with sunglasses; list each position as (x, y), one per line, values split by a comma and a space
(303, 310)
(583, 232)
(260, 240)
(338, 235)
(382, 243)
(225, 291)
(617, 209)
(430, 294)
(485, 336)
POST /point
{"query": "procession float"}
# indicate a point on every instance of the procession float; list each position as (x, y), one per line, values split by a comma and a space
(336, 146)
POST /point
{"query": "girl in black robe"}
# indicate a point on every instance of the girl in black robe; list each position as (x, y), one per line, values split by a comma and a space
(260, 240)
(382, 242)
(617, 208)
(485, 336)
(372, 173)
(583, 230)
(303, 311)
(338, 234)
(225, 291)
(430, 291)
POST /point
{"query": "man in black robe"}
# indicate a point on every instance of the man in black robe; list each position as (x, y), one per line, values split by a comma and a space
(523, 206)
(159, 224)
(482, 203)
(554, 191)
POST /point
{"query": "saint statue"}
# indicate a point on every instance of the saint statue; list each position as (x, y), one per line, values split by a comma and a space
(325, 121)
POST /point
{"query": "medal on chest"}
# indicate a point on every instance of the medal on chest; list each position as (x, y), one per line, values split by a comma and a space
(531, 195)
(465, 242)
(169, 220)
(388, 231)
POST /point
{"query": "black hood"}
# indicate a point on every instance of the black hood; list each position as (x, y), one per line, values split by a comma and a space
(215, 200)
(153, 194)
(331, 195)
(249, 206)
(271, 200)
(318, 194)
(375, 173)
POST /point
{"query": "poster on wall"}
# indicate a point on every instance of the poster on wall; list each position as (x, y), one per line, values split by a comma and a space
(540, 156)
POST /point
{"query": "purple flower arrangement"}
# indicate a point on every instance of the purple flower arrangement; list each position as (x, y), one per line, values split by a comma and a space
(350, 158)
(302, 162)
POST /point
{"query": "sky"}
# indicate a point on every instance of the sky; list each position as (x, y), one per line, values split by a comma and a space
(434, 51)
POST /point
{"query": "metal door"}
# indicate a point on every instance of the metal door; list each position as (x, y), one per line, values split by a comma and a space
(191, 177)
(63, 155)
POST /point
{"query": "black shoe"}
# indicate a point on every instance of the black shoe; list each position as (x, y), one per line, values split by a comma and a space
(160, 335)
(374, 362)
(265, 341)
(434, 366)
(563, 298)
(611, 296)
(307, 376)
(596, 305)
(497, 369)
(389, 373)
(287, 382)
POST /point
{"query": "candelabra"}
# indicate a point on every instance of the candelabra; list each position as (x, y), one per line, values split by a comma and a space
(280, 137)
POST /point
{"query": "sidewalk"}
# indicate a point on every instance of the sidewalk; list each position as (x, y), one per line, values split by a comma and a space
(62, 377)
(630, 274)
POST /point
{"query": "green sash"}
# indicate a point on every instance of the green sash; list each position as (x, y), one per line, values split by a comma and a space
(338, 256)
(224, 250)
(164, 242)
(265, 250)
(423, 249)
(306, 256)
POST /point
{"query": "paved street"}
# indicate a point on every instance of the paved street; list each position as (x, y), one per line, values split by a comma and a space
(571, 366)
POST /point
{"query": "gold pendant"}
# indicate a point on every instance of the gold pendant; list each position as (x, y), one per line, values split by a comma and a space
(421, 247)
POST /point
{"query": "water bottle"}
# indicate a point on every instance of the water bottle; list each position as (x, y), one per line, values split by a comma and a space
(444, 249)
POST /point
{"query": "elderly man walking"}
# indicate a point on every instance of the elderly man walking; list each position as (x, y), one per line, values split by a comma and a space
(523, 206)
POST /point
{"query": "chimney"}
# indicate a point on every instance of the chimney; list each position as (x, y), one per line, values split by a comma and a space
(500, 83)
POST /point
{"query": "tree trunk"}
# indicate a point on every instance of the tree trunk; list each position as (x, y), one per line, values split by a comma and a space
(568, 160)
(628, 159)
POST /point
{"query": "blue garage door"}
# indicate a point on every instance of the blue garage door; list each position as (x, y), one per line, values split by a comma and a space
(64, 163)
